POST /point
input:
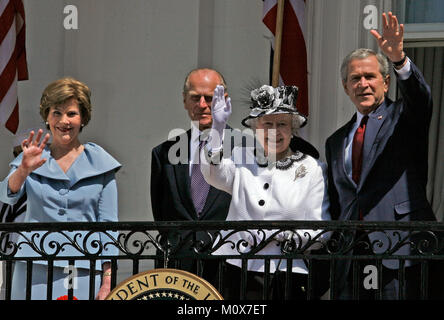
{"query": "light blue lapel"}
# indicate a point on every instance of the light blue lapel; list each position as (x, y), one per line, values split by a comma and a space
(93, 161)
(50, 169)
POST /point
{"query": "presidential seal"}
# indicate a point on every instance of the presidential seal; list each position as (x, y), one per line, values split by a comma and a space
(164, 284)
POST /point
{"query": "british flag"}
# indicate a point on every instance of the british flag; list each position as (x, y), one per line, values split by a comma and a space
(293, 62)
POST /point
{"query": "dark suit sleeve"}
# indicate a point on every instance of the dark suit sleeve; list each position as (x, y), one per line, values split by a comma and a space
(416, 95)
(332, 192)
(155, 185)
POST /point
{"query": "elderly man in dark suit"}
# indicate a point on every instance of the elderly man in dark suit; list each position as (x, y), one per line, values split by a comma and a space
(178, 189)
(378, 160)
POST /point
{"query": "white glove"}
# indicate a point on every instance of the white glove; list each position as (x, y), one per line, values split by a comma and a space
(220, 112)
(284, 236)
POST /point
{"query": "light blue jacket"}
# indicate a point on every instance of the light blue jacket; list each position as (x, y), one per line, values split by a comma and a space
(87, 192)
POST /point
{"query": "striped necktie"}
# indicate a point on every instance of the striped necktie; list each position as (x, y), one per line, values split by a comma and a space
(199, 187)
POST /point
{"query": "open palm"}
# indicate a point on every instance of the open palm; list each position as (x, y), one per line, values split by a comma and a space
(391, 40)
(220, 108)
(32, 151)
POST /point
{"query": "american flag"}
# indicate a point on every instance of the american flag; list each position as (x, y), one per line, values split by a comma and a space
(13, 66)
(293, 65)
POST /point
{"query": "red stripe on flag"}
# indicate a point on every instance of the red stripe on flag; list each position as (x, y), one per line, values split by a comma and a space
(270, 19)
(6, 19)
(22, 64)
(7, 76)
(293, 69)
(20, 46)
(12, 19)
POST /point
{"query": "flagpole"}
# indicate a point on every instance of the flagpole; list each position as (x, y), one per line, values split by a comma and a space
(277, 43)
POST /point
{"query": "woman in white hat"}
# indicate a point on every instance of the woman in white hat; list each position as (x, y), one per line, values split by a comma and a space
(270, 181)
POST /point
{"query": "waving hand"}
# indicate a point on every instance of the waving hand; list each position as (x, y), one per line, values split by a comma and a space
(32, 151)
(391, 40)
(31, 160)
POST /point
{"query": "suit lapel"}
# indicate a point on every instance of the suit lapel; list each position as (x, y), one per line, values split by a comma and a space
(343, 138)
(373, 137)
(183, 185)
(213, 193)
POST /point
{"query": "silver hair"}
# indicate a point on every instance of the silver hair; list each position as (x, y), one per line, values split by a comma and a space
(363, 53)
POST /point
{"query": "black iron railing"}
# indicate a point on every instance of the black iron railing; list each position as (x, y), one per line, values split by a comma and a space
(169, 244)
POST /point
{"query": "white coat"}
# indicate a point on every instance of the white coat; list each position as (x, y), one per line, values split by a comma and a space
(298, 192)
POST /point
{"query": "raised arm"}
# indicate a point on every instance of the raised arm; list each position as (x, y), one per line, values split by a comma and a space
(414, 89)
(221, 172)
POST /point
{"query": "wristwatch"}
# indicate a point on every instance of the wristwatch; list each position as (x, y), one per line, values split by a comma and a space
(400, 62)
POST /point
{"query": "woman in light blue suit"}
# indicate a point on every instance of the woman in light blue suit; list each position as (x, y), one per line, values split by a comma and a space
(65, 181)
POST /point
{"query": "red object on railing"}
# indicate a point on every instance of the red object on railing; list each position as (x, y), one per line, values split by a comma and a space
(65, 297)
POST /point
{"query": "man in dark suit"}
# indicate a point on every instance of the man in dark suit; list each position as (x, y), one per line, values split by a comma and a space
(177, 191)
(378, 160)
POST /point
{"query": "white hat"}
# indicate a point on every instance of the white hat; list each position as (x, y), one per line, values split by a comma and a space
(268, 100)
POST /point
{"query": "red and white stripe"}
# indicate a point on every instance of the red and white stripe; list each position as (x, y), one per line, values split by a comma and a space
(13, 66)
(293, 64)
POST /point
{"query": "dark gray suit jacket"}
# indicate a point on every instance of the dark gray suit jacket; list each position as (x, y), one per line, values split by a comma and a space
(393, 181)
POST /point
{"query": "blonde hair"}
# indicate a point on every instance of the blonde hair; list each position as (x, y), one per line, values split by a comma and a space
(60, 91)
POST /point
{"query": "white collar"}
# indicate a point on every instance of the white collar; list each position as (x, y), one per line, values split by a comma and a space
(359, 117)
(197, 135)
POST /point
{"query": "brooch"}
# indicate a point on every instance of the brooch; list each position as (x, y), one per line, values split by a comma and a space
(300, 172)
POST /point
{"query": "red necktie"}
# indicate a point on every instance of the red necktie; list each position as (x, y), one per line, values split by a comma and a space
(358, 143)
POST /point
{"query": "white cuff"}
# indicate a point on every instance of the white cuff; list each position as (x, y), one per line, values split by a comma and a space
(213, 155)
(405, 71)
